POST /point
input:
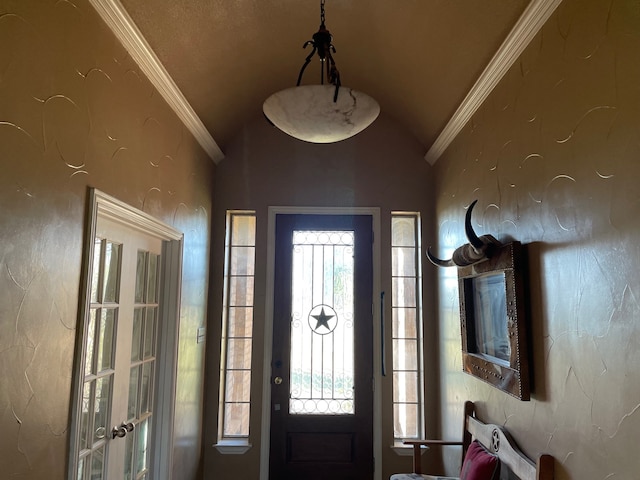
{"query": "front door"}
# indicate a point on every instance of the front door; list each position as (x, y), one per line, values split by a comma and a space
(322, 366)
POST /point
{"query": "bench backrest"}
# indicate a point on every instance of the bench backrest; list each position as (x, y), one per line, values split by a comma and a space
(497, 440)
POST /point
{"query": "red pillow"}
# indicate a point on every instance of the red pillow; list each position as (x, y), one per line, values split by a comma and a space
(479, 464)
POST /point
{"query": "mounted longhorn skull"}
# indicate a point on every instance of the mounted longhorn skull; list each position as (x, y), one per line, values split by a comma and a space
(478, 249)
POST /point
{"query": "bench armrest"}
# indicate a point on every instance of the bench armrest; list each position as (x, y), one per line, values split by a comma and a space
(417, 466)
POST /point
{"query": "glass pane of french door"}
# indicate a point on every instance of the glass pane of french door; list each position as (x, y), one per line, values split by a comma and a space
(99, 359)
(120, 349)
(142, 367)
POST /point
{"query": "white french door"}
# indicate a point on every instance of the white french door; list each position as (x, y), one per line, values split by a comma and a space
(117, 369)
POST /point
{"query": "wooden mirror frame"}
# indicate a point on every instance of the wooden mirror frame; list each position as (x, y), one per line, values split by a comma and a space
(491, 291)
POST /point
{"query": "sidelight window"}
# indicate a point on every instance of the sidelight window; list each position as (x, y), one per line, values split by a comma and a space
(406, 306)
(237, 329)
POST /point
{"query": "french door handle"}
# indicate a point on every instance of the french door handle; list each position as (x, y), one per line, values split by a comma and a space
(122, 430)
(119, 432)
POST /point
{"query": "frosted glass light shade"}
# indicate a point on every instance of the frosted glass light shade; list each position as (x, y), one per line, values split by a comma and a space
(309, 113)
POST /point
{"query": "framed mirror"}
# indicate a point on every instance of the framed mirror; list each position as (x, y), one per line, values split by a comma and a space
(493, 321)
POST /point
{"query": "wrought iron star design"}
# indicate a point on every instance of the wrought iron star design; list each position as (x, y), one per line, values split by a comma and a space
(323, 319)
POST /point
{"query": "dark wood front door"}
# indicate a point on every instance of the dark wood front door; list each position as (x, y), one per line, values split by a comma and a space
(322, 365)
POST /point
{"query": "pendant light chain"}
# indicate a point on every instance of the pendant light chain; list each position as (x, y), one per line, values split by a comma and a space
(323, 46)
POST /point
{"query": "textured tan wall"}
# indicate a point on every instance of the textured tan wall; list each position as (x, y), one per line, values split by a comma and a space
(75, 111)
(381, 167)
(553, 157)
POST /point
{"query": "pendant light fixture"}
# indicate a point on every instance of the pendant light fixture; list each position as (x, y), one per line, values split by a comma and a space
(324, 113)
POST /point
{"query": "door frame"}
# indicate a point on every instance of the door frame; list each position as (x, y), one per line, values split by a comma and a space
(265, 437)
(102, 205)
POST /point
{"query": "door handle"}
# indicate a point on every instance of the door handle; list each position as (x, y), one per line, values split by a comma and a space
(118, 431)
(383, 353)
(122, 430)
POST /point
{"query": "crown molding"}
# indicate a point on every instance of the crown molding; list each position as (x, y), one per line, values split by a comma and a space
(528, 25)
(119, 21)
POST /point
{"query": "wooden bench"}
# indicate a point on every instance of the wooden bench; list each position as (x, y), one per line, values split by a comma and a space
(495, 439)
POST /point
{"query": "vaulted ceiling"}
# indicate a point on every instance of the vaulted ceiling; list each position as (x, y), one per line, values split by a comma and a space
(425, 61)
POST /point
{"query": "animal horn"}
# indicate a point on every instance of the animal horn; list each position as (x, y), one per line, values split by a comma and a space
(471, 235)
(437, 262)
